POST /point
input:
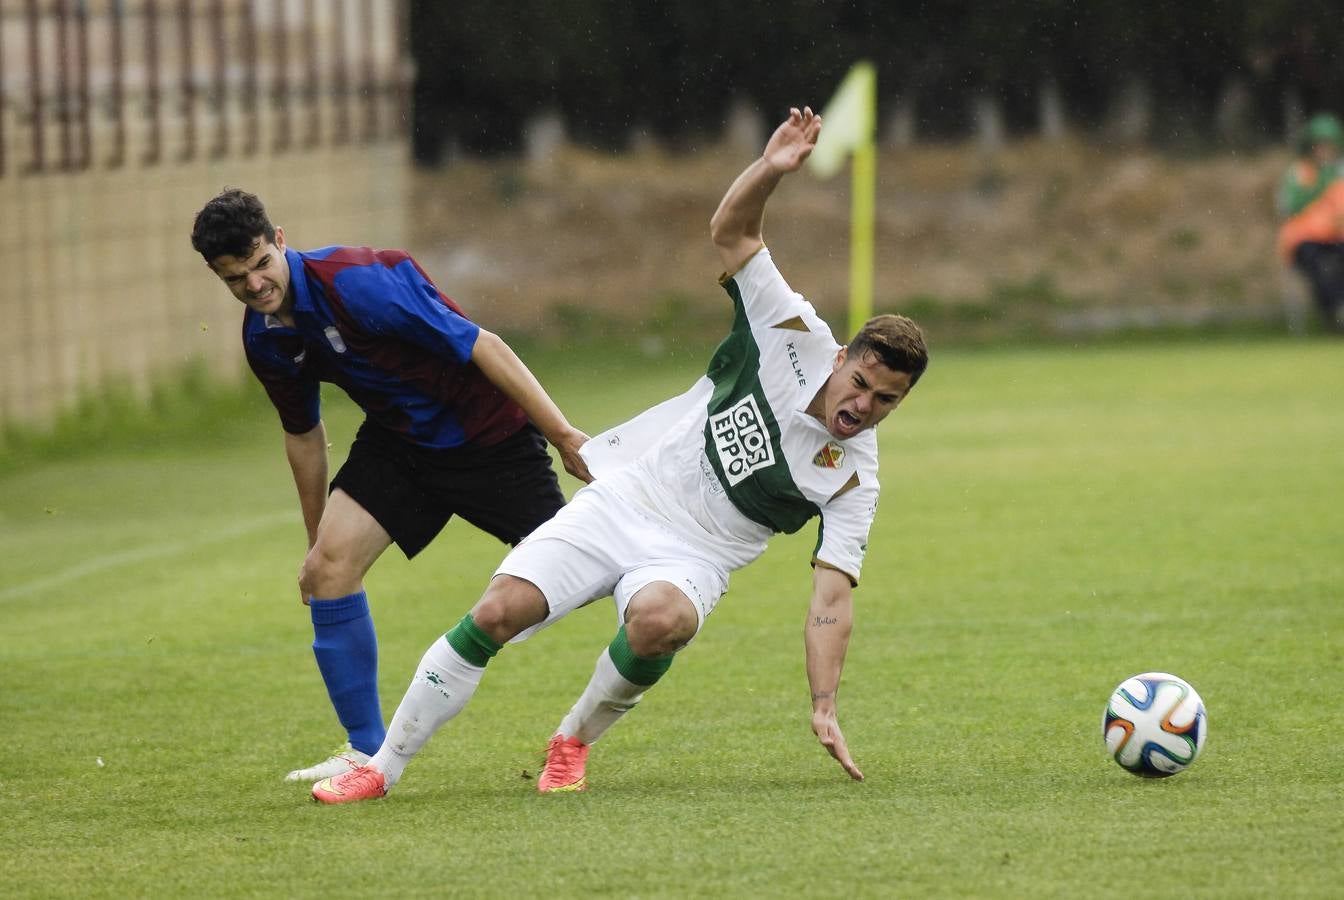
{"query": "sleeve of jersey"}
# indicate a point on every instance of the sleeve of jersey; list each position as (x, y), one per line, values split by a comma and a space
(399, 301)
(767, 297)
(295, 395)
(842, 535)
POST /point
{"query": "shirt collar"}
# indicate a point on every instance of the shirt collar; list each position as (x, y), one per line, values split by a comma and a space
(815, 381)
(298, 284)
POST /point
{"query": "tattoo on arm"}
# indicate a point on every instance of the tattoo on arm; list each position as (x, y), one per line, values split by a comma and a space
(818, 621)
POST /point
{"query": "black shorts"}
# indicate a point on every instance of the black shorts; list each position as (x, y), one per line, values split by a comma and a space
(507, 489)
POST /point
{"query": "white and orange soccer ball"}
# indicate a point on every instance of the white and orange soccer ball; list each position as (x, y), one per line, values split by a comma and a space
(1154, 725)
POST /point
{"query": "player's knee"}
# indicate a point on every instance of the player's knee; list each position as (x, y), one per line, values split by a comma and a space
(661, 625)
(326, 573)
(491, 616)
(509, 607)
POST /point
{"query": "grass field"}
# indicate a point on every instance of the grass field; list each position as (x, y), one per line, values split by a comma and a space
(1053, 520)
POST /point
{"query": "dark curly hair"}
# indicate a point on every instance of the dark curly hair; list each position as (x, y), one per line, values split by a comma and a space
(896, 341)
(230, 225)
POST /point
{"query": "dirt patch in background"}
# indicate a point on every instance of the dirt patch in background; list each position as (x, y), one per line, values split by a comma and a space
(1047, 238)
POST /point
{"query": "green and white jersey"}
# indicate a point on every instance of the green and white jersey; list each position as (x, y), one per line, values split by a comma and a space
(737, 458)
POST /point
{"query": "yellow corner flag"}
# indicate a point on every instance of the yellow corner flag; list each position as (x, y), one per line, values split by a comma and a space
(847, 126)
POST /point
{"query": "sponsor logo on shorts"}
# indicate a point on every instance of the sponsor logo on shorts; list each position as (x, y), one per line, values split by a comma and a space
(741, 440)
(830, 456)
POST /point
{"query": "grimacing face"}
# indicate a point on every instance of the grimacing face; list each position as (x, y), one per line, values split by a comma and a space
(262, 279)
(860, 393)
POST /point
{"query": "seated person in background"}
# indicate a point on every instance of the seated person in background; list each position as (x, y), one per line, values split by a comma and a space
(1316, 167)
(1311, 201)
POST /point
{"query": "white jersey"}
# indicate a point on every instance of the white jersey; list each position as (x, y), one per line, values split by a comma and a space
(738, 458)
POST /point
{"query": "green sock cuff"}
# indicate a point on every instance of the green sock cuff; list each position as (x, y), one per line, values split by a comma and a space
(641, 670)
(472, 644)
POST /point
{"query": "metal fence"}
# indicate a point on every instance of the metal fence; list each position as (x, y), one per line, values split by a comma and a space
(119, 119)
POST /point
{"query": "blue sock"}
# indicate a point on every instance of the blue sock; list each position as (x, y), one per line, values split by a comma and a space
(347, 656)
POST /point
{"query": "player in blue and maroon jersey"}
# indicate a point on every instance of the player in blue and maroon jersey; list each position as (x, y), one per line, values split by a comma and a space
(455, 424)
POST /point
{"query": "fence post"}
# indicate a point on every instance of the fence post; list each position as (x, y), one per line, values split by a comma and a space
(187, 80)
(340, 83)
(83, 91)
(153, 88)
(248, 89)
(116, 89)
(219, 88)
(39, 160)
(312, 88)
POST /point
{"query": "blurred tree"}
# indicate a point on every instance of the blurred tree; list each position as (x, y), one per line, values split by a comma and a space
(619, 68)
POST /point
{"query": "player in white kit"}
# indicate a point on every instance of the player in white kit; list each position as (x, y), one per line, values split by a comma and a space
(778, 431)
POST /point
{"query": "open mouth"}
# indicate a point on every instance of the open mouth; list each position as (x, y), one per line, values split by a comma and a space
(847, 420)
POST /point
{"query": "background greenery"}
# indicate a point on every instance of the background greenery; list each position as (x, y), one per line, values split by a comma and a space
(674, 68)
(1053, 521)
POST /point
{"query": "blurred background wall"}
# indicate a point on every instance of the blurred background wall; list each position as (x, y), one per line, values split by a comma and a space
(1046, 166)
(120, 119)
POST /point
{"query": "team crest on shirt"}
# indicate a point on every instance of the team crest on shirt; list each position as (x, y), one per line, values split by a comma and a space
(830, 456)
(742, 440)
(334, 338)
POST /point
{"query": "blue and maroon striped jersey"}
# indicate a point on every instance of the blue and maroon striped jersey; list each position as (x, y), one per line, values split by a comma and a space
(372, 323)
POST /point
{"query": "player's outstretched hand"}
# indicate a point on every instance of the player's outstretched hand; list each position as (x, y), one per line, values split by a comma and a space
(568, 448)
(827, 729)
(793, 140)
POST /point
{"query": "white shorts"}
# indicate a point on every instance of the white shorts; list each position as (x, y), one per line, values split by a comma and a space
(601, 545)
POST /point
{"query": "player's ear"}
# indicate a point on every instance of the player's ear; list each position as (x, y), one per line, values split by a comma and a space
(839, 359)
(279, 238)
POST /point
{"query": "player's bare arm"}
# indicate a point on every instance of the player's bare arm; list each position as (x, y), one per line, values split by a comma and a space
(307, 454)
(512, 376)
(737, 224)
(826, 638)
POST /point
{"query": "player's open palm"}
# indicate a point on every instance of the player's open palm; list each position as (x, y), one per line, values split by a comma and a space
(793, 140)
(827, 729)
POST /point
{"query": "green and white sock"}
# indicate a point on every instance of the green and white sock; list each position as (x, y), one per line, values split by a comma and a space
(447, 678)
(618, 684)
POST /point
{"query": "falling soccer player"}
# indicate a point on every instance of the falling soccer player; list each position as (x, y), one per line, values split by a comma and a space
(779, 430)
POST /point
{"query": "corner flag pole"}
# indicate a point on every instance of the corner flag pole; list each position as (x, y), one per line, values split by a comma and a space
(862, 213)
(848, 125)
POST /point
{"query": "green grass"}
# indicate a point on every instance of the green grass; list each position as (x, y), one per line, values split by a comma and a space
(1053, 521)
(182, 409)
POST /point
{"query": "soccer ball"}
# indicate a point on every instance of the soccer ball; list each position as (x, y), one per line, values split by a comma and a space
(1154, 725)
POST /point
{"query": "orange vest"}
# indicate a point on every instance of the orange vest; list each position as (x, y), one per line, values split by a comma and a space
(1321, 221)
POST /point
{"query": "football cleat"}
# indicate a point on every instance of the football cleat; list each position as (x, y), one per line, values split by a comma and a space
(364, 783)
(342, 760)
(566, 760)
